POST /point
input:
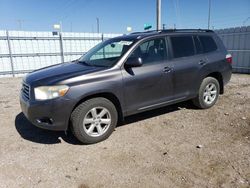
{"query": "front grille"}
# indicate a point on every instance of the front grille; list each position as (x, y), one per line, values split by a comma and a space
(26, 91)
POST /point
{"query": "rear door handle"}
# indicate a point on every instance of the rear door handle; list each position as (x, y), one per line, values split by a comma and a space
(167, 69)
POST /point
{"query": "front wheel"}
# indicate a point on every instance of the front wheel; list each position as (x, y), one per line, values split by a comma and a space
(208, 93)
(94, 120)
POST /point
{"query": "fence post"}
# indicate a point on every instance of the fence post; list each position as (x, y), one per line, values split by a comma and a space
(10, 53)
(102, 37)
(61, 46)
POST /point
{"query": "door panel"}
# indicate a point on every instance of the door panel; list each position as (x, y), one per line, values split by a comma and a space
(186, 73)
(186, 66)
(151, 83)
(146, 85)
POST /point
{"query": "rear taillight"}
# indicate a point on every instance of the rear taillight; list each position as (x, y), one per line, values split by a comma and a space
(229, 58)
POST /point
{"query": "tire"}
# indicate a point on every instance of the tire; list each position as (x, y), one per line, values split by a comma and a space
(206, 97)
(88, 123)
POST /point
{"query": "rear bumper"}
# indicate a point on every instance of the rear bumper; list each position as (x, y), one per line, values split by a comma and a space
(51, 114)
(227, 73)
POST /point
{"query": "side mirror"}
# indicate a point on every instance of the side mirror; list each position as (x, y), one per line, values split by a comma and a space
(133, 62)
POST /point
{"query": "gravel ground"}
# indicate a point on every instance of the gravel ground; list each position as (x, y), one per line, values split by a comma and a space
(176, 146)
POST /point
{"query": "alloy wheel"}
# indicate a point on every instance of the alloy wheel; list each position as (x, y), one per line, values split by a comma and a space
(97, 121)
(210, 93)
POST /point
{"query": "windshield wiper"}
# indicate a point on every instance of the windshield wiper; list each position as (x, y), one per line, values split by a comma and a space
(84, 62)
(75, 60)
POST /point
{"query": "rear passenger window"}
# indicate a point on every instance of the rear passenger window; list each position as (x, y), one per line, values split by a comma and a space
(208, 44)
(183, 46)
(198, 46)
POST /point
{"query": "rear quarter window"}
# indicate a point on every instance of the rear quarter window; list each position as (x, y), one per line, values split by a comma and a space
(182, 46)
(208, 44)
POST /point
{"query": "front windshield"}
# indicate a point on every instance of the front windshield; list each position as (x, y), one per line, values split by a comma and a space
(107, 53)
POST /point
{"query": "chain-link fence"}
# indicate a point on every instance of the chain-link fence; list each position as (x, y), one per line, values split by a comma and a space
(22, 51)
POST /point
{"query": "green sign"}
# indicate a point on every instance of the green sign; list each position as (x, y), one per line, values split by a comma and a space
(147, 26)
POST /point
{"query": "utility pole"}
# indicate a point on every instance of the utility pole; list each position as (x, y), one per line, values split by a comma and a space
(209, 12)
(97, 25)
(158, 14)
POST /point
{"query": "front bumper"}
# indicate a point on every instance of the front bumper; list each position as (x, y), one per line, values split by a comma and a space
(51, 114)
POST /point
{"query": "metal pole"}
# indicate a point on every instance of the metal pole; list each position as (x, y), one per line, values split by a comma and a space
(158, 15)
(98, 25)
(10, 53)
(103, 52)
(61, 46)
(61, 42)
(209, 11)
(164, 26)
(61, 26)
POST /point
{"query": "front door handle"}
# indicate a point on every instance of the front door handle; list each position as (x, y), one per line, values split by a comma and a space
(167, 69)
(202, 62)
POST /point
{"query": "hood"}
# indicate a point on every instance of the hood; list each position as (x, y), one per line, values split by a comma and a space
(56, 73)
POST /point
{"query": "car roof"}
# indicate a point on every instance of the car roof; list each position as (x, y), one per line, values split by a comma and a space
(141, 35)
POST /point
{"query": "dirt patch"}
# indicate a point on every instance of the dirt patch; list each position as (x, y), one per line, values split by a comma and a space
(176, 146)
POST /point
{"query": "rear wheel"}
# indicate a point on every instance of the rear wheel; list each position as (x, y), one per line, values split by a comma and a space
(94, 120)
(208, 93)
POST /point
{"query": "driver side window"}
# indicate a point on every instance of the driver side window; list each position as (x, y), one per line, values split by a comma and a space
(151, 51)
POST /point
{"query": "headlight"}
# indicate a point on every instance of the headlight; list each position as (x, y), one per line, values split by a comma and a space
(50, 92)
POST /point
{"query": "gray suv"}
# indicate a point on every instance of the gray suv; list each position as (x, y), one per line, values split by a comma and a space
(124, 76)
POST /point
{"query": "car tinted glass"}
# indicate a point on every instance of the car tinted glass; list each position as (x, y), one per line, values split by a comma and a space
(183, 46)
(144, 47)
(198, 46)
(151, 51)
(208, 43)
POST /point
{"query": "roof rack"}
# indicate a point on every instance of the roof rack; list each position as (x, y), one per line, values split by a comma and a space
(186, 30)
(150, 31)
(173, 30)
